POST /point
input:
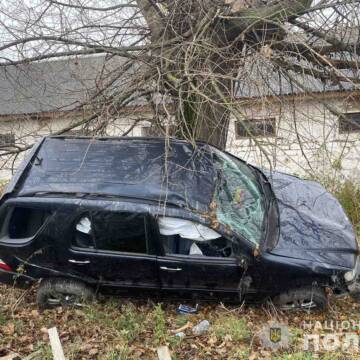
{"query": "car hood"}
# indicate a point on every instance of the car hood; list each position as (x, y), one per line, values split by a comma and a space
(313, 224)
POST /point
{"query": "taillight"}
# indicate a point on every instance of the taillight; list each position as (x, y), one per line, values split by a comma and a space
(4, 266)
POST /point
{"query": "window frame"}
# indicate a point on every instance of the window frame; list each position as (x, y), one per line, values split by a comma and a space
(4, 136)
(96, 250)
(193, 257)
(264, 121)
(343, 124)
(5, 217)
(72, 238)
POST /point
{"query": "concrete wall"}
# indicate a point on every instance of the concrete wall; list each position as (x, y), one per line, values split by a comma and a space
(307, 141)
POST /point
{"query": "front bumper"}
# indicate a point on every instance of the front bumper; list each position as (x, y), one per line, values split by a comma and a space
(354, 285)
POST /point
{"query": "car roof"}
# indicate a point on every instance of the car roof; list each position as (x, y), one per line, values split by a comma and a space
(154, 169)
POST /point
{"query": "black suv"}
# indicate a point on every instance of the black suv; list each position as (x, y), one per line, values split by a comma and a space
(84, 215)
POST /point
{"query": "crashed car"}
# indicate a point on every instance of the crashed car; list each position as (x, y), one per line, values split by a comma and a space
(122, 215)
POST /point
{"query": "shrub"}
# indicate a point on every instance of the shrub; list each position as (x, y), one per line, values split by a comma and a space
(348, 193)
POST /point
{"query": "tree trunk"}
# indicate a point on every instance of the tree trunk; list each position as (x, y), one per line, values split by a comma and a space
(213, 125)
(193, 72)
(205, 117)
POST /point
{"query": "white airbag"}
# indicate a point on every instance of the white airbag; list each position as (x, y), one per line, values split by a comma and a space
(84, 225)
(186, 229)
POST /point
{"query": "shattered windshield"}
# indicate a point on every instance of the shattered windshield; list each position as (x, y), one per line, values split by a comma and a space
(239, 198)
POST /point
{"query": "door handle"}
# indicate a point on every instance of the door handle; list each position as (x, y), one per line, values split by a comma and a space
(170, 269)
(78, 262)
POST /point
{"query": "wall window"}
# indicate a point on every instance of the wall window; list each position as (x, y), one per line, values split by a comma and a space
(153, 131)
(349, 122)
(81, 132)
(7, 139)
(150, 131)
(255, 128)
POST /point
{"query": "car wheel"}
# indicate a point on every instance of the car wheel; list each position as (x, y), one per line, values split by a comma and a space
(310, 298)
(61, 292)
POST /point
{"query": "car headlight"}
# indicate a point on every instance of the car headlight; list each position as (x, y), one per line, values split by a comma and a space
(351, 275)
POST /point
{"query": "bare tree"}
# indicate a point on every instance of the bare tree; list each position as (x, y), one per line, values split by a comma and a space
(190, 58)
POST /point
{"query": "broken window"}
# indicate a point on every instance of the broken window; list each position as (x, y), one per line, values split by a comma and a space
(26, 222)
(239, 198)
(117, 232)
(184, 237)
(83, 236)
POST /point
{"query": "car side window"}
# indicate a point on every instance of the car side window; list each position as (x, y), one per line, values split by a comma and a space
(83, 236)
(176, 245)
(25, 222)
(184, 237)
(112, 231)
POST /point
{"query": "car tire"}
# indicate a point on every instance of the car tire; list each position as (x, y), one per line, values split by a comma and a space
(62, 292)
(308, 298)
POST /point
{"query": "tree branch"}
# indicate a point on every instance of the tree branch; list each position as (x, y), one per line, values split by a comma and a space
(83, 7)
(50, 56)
(247, 19)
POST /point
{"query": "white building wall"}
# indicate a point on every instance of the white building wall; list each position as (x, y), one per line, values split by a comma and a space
(307, 141)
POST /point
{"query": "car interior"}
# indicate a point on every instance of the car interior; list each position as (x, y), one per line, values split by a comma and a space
(176, 245)
(119, 236)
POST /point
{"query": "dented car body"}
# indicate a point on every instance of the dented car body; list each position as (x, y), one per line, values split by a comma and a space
(121, 214)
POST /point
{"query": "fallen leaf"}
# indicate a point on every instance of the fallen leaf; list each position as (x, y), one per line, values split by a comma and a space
(93, 351)
(10, 329)
(34, 313)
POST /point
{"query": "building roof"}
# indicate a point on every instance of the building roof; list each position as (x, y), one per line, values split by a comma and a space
(66, 84)
(261, 77)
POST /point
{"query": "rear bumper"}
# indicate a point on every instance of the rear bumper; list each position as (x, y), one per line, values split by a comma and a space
(15, 279)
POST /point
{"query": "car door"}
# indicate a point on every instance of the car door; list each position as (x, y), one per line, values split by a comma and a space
(205, 271)
(114, 249)
(214, 273)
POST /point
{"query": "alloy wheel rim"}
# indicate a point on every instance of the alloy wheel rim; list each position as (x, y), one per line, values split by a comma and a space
(64, 299)
(304, 304)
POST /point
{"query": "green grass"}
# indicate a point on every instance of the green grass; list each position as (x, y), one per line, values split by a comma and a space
(160, 332)
(126, 319)
(294, 356)
(231, 325)
(130, 322)
(3, 319)
(348, 194)
(181, 320)
(122, 354)
(43, 352)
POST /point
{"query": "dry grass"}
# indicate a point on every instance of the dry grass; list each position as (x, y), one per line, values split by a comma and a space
(123, 329)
